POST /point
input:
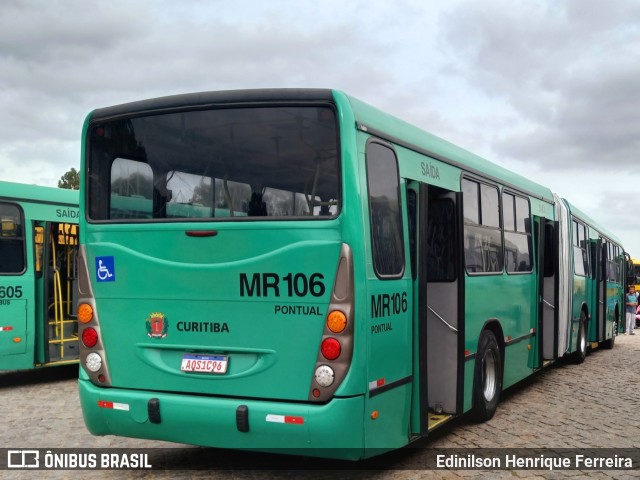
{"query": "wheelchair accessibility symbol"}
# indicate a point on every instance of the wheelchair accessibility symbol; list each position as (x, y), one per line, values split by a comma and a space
(105, 269)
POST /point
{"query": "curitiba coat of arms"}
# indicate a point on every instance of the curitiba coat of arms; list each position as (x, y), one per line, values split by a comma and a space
(157, 325)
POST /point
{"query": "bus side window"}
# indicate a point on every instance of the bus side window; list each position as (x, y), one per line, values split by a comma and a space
(131, 189)
(517, 233)
(384, 207)
(580, 259)
(482, 233)
(11, 240)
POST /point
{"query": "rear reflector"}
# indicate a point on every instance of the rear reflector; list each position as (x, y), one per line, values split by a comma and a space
(285, 419)
(113, 405)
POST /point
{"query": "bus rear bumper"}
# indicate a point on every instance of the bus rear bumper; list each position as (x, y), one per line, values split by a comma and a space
(332, 430)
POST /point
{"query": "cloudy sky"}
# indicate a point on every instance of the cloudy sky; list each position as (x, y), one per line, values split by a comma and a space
(548, 88)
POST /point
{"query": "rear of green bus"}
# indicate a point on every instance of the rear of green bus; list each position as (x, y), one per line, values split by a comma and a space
(216, 274)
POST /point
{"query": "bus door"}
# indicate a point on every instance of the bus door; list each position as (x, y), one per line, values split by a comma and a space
(438, 305)
(548, 287)
(16, 286)
(56, 273)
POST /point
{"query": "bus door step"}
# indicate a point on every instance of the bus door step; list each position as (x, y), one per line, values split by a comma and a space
(436, 420)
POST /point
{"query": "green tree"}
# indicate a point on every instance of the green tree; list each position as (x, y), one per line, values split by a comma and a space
(70, 180)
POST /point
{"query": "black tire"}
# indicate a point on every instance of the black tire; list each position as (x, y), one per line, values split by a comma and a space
(581, 347)
(487, 377)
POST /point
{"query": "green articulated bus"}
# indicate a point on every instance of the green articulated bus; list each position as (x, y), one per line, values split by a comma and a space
(296, 271)
(38, 274)
(597, 264)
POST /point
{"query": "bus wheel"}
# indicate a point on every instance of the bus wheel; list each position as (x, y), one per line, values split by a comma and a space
(487, 377)
(581, 352)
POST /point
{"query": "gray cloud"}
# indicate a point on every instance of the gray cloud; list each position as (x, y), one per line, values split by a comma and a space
(540, 87)
(570, 70)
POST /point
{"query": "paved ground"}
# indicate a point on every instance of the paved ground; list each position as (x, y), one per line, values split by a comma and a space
(593, 405)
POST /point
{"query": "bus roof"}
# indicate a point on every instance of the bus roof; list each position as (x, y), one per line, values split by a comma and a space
(367, 117)
(576, 212)
(211, 99)
(19, 192)
(403, 133)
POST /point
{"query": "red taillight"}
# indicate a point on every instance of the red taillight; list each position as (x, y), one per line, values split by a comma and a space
(89, 337)
(330, 348)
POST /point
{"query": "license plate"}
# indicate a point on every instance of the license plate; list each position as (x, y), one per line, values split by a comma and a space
(216, 364)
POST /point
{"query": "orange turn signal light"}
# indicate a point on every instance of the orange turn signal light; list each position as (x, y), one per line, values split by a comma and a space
(336, 321)
(85, 312)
